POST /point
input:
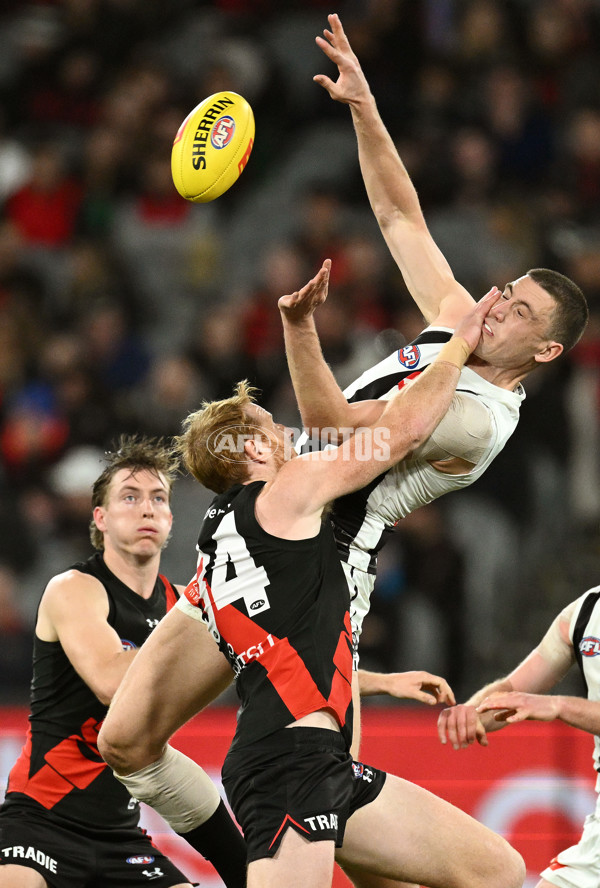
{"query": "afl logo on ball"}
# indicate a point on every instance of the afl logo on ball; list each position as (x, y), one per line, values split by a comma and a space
(222, 132)
(409, 356)
(589, 646)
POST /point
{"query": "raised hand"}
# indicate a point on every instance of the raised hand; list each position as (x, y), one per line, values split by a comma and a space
(351, 85)
(301, 304)
(470, 326)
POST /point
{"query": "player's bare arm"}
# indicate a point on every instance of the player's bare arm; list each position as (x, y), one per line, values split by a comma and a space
(391, 193)
(320, 400)
(291, 503)
(458, 442)
(543, 668)
(517, 706)
(74, 611)
(415, 685)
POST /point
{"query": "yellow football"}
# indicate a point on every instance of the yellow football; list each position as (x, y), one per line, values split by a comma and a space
(212, 147)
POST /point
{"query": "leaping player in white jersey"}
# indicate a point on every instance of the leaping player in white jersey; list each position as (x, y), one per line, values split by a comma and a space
(536, 318)
(573, 637)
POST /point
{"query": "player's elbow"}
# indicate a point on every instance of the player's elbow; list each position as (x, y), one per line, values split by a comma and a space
(392, 218)
(415, 431)
(105, 691)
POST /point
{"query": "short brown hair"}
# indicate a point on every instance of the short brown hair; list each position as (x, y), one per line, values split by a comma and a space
(571, 314)
(140, 454)
(202, 430)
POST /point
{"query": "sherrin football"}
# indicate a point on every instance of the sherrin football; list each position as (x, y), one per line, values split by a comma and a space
(212, 147)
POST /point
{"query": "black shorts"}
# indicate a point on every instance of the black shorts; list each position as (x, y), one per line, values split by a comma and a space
(303, 778)
(67, 859)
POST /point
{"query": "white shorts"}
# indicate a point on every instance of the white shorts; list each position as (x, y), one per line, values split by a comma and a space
(579, 865)
(361, 585)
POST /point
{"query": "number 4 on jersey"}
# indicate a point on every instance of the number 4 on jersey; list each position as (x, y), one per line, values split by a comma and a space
(235, 574)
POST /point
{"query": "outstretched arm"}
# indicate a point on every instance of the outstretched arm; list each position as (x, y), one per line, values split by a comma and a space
(320, 400)
(416, 685)
(516, 706)
(521, 693)
(391, 193)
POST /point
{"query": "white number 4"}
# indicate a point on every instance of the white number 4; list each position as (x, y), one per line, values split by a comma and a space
(250, 580)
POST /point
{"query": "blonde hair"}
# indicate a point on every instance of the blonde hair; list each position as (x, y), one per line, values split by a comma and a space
(211, 446)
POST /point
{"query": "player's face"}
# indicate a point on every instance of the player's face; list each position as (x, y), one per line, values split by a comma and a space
(280, 436)
(137, 516)
(516, 328)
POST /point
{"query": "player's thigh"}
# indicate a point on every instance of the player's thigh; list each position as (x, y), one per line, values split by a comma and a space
(176, 672)
(411, 835)
(12, 876)
(357, 726)
(297, 863)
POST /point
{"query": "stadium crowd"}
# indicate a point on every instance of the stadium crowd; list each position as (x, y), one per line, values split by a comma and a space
(122, 306)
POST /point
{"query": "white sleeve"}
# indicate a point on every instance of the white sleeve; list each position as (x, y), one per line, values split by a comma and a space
(556, 647)
(466, 431)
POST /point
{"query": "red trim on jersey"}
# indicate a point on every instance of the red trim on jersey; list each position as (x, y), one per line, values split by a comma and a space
(406, 379)
(66, 767)
(285, 668)
(341, 684)
(171, 593)
(19, 773)
(556, 864)
(288, 820)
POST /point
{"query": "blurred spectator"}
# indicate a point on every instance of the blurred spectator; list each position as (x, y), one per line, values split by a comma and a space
(282, 267)
(112, 347)
(33, 431)
(45, 209)
(170, 391)
(214, 349)
(15, 650)
(15, 162)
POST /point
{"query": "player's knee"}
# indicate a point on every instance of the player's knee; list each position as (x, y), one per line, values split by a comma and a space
(511, 871)
(111, 750)
(124, 751)
(519, 869)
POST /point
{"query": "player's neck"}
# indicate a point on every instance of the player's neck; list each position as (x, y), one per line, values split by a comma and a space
(504, 377)
(261, 472)
(138, 573)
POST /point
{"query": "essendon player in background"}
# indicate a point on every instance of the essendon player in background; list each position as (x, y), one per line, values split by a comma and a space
(271, 591)
(66, 821)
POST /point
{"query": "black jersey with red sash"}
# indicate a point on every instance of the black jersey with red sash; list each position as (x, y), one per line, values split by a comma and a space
(279, 611)
(60, 769)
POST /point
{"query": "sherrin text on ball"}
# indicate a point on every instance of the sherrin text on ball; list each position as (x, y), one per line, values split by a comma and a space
(212, 147)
